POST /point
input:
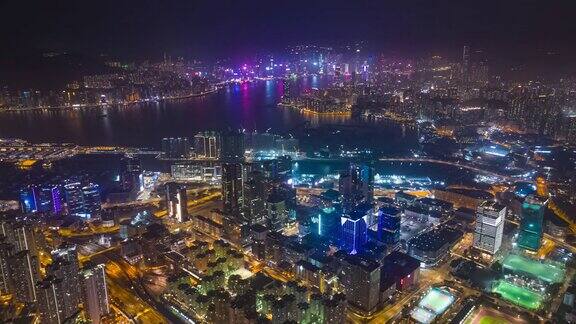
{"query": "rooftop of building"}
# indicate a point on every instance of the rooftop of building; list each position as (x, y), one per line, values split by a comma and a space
(398, 264)
(331, 195)
(275, 198)
(359, 211)
(424, 211)
(365, 263)
(402, 194)
(259, 228)
(435, 202)
(307, 265)
(385, 200)
(472, 193)
(260, 281)
(435, 239)
(492, 205)
(390, 210)
(535, 200)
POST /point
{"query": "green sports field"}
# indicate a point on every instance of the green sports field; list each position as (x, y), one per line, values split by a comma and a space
(487, 315)
(492, 320)
(543, 271)
(518, 295)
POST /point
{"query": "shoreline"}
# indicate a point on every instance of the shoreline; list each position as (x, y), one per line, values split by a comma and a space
(316, 113)
(124, 104)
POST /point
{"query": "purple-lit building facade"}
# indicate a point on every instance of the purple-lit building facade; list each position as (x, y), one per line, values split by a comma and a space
(42, 199)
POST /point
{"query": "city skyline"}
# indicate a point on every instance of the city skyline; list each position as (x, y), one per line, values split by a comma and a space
(346, 162)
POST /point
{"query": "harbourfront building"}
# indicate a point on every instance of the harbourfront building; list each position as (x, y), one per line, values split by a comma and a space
(175, 148)
(207, 145)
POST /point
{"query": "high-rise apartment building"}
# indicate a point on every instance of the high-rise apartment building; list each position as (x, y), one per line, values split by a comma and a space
(361, 280)
(95, 292)
(176, 148)
(207, 145)
(177, 201)
(490, 218)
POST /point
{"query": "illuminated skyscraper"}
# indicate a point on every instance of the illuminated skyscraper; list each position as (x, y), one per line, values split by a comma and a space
(531, 223)
(176, 148)
(131, 178)
(490, 218)
(232, 147)
(6, 250)
(43, 199)
(232, 156)
(207, 145)
(83, 201)
(466, 63)
(356, 185)
(28, 199)
(25, 273)
(361, 281)
(232, 188)
(74, 198)
(63, 279)
(329, 222)
(254, 198)
(277, 212)
(92, 200)
(177, 202)
(19, 266)
(23, 238)
(55, 304)
(354, 230)
(389, 219)
(96, 300)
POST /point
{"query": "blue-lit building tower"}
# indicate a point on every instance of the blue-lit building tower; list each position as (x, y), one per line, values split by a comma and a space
(42, 199)
(28, 199)
(356, 185)
(92, 200)
(49, 199)
(531, 223)
(389, 219)
(354, 230)
(329, 222)
(74, 198)
(81, 200)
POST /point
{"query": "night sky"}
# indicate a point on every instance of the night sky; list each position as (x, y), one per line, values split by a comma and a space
(141, 28)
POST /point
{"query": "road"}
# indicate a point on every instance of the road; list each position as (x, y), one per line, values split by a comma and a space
(464, 166)
(128, 292)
